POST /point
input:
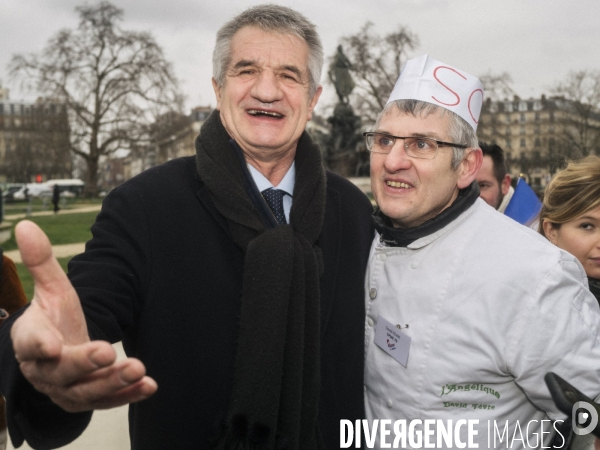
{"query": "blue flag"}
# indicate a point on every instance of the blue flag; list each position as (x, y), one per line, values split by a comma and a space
(524, 206)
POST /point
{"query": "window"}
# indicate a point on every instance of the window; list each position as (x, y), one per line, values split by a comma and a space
(536, 129)
(522, 117)
(523, 106)
(537, 105)
(508, 107)
(537, 143)
(522, 130)
(537, 116)
(508, 145)
(522, 143)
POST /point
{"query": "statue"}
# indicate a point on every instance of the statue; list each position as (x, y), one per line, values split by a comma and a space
(341, 148)
(339, 74)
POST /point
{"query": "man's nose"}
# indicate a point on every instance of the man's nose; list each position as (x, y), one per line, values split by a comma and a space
(266, 89)
(397, 159)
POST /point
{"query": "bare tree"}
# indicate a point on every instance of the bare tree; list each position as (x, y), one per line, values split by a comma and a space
(375, 65)
(581, 123)
(114, 83)
(497, 86)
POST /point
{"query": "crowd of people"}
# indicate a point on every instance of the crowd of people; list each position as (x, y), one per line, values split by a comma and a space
(262, 302)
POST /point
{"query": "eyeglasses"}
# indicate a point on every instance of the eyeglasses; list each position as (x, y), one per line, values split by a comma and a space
(416, 147)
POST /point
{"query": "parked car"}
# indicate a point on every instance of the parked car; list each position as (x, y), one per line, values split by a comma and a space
(33, 190)
(69, 187)
(9, 191)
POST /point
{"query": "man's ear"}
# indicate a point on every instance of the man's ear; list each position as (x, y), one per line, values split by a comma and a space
(217, 90)
(549, 230)
(505, 184)
(469, 167)
(313, 101)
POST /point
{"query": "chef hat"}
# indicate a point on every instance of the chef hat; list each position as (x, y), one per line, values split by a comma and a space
(432, 81)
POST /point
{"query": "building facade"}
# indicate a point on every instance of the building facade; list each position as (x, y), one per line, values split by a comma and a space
(34, 140)
(172, 136)
(540, 135)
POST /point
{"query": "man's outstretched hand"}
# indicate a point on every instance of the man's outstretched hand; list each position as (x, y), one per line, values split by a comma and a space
(52, 345)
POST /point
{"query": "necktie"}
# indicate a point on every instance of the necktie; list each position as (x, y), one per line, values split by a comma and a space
(274, 198)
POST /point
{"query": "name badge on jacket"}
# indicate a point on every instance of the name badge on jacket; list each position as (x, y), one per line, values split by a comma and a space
(392, 340)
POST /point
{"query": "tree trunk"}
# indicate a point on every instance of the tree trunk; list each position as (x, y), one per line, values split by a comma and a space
(91, 178)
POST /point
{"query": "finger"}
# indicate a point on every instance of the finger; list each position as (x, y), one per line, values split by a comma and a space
(125, 379)
(141, 390)
(136, 392)
(121, 383)
(75, 362)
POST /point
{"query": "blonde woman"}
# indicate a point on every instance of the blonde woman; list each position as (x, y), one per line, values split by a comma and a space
(570, 216)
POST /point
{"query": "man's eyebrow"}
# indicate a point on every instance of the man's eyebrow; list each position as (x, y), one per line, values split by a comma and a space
(422, 135)
(244, 63)
(430, 135)
(250, 62)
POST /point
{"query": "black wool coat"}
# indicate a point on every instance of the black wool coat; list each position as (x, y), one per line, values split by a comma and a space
(163, 275)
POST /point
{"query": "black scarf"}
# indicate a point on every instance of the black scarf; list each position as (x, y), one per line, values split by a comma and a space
(276, 386)
(402, 237)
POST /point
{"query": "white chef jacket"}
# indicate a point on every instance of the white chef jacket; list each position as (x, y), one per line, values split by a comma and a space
(491, 306)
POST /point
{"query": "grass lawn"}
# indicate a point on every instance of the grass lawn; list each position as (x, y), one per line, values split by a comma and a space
(26, 277)
(61, 228)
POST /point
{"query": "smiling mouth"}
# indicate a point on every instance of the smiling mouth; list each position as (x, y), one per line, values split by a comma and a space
(259, 112)
(398, 184)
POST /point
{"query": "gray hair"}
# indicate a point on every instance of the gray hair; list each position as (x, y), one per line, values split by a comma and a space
(272, 18)
(460, 131)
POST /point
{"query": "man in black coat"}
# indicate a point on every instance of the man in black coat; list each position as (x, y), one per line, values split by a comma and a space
(234, 279)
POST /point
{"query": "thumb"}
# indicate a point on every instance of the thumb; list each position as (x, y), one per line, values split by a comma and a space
(36, 254)
(53, 291)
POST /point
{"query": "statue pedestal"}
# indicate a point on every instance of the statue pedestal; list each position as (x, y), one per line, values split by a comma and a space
(345, 138)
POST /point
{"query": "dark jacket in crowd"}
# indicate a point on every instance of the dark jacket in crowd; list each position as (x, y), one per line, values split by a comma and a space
(163, 275)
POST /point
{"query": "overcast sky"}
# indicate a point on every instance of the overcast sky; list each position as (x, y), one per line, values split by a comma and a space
(537, 41)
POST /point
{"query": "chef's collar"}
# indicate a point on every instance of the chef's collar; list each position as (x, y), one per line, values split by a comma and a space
(402, 237)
